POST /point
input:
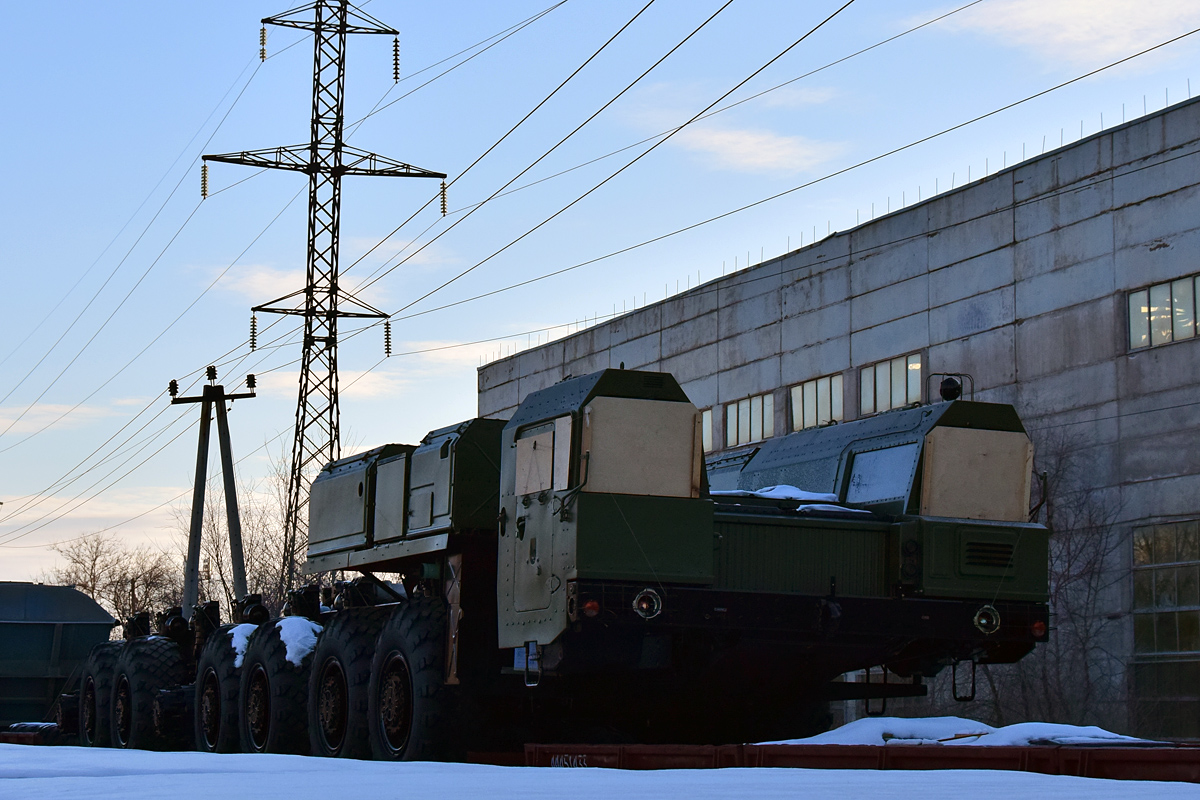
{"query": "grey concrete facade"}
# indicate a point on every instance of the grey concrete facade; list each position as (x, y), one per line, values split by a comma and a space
(1022, 279)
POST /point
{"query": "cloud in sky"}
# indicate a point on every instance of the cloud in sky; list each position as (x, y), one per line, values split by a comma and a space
(42, 414)
(257, 284)
(1081, 31)
(725, 144)
(755, 150)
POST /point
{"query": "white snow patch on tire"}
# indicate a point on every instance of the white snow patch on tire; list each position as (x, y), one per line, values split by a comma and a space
(239, 637)
(299, 635)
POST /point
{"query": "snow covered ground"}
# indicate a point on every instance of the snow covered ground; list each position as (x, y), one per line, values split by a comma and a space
(65, 773)
(959, 731)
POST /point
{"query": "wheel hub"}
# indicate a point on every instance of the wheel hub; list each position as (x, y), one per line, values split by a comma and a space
(210, 708)
(332, 705)
(122, 711)
(87, 706)
(395, 703)
(258, 708)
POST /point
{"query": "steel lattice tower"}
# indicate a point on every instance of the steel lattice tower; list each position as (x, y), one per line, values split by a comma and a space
(322, 301)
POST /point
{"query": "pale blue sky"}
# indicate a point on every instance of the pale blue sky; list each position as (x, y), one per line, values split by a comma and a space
(110, 105)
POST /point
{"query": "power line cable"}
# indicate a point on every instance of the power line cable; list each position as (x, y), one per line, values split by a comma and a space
(723, 109)
(622, 169)
(784, 193)
(503, 35)
(108, 319)
(508, 133)
(131, 218)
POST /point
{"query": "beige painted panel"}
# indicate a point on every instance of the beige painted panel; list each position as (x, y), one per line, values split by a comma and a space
(646, 447)
(562, 453)
(535, 460)
(974, 474)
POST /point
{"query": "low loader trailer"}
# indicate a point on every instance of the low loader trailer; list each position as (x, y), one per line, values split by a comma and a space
(579, 573)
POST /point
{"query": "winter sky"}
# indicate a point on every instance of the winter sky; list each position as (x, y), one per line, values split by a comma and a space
(118, 278)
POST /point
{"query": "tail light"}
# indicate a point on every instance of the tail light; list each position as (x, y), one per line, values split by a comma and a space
(647, 604)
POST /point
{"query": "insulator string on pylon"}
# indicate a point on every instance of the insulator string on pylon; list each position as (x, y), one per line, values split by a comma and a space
(396, 59)
(262, 44)
(387, 338)
(253, 331)
(443, 198)
(204, 181)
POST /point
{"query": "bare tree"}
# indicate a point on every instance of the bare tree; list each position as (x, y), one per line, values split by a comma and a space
(123, 580)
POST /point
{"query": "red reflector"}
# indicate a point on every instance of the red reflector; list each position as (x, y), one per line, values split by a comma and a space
(1038, 629)
(591, 608)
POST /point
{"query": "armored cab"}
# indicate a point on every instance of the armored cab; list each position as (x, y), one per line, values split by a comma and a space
(956, 478)
(602, 479)
(400, 500)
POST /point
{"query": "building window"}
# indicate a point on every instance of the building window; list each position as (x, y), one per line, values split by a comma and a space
(706, 429)
(817, 402)
(750, 420)
(1163, 313)
(1166, 629)
(890, 384)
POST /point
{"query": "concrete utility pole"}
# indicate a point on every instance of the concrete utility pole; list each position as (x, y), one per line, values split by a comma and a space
(325, 158)
(213, 397)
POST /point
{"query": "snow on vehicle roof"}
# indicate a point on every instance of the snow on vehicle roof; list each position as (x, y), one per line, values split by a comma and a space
(780, 492)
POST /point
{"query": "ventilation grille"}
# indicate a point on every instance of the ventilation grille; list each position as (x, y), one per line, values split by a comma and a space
(653, 381)
(998, 555)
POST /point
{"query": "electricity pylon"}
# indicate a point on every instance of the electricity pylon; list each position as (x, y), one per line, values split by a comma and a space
(322, 301)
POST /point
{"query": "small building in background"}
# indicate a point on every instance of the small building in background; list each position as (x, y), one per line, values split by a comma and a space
(45, 634)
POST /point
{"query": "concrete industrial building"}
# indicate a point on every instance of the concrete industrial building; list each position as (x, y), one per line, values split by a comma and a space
(1066, 285)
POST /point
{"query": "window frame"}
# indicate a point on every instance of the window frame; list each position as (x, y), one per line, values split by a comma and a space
(813, 392)
(886, 382)
(1167, 326)
(750, 420)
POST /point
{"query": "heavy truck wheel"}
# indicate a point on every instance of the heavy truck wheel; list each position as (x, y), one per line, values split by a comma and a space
(144, 666)
(409, 707)
(337, 686)
(95, 694)
(273, 691)
(217, 681)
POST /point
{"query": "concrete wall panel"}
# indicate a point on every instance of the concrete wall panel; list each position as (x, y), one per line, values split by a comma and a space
(890, 302)
(971, 277)
(803, 292)
(1071, 286)
(1071, 337)
(972, 315)
(890, 339)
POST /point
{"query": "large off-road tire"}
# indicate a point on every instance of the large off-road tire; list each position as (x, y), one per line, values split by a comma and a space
(217, 682)
(95, 694)
(409, 707)
(337, 685)
(145, 665)
(273, 692)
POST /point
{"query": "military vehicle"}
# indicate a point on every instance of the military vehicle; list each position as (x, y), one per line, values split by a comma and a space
(578, 573)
